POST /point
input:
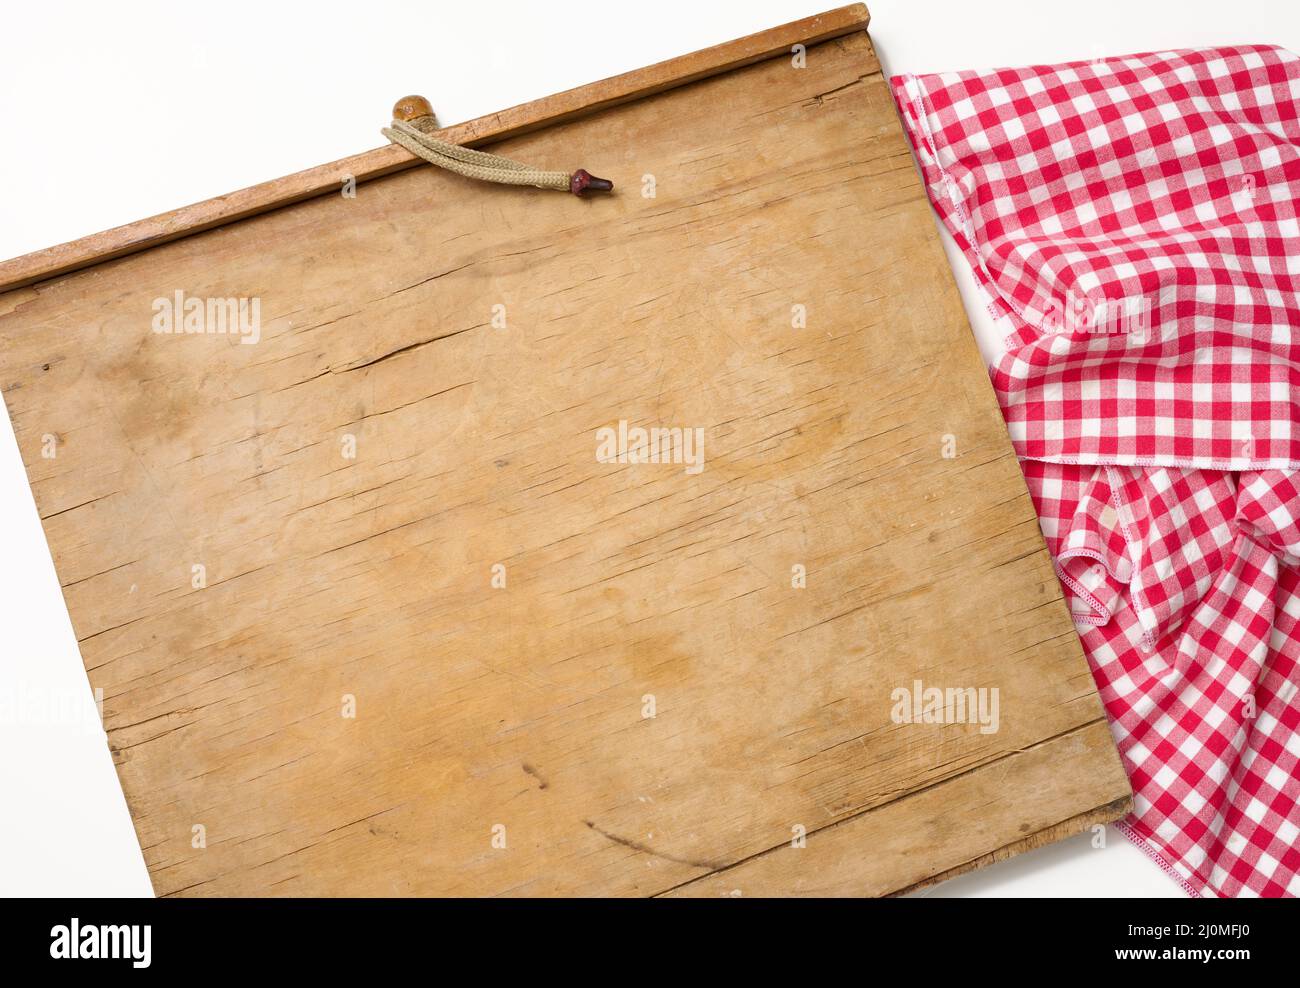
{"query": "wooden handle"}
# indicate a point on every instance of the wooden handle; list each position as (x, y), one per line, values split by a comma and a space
(411, 108)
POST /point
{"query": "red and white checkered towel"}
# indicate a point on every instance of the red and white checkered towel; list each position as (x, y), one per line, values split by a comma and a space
(1133, 223)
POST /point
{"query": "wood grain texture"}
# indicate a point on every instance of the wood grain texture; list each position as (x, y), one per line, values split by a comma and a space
(876, 852)
(522, 707)
(522, 119)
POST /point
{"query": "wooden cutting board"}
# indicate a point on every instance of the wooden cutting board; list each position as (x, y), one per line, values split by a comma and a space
(374, 614)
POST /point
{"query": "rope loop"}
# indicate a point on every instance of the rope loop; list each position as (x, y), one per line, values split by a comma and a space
(417, 136)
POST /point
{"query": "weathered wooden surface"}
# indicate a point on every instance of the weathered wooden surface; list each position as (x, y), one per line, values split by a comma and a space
(389, 159)
(523, 707)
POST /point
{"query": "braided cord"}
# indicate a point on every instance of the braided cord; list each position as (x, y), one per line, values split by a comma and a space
(470, 163)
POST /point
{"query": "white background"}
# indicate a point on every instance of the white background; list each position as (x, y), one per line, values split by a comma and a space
(114, 112)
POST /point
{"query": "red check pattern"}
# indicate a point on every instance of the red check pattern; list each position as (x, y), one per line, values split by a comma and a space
(1136, 218)
(1187, 610)
(1133, 225)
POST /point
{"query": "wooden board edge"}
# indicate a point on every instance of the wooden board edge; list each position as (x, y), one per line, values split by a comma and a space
(558, 108)
(1109, 813)
(848, 835)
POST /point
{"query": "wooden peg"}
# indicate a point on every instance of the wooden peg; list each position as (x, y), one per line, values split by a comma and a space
(412, 108)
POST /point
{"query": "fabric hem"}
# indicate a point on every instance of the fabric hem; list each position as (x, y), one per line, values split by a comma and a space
(1147, 848)
(1102, 614)
(1203, 463)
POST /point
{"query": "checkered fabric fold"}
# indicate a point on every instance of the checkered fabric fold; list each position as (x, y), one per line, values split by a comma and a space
(1132, 223)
